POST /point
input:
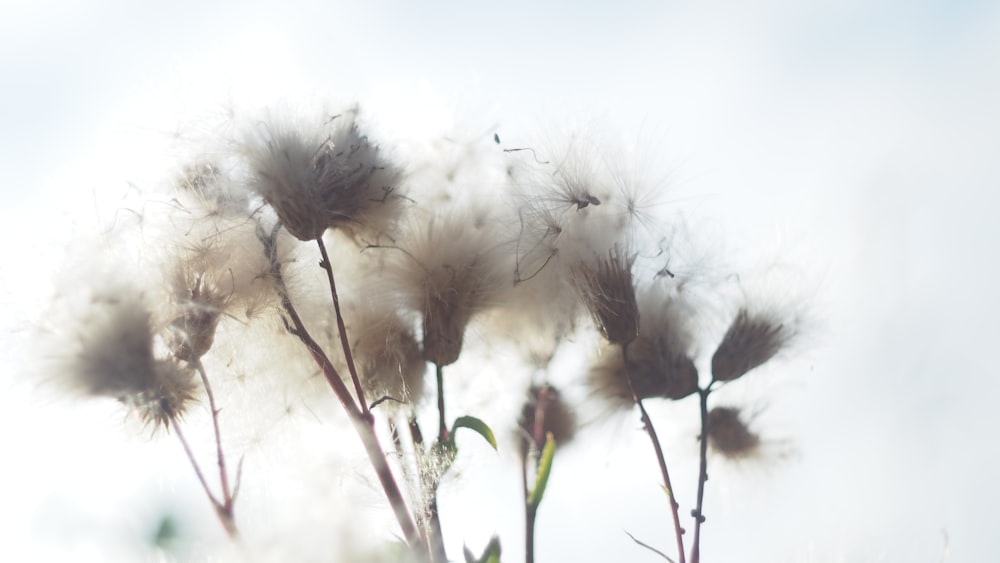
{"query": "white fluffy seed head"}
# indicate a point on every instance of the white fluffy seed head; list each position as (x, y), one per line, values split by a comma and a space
(113, 356)
(322, 174)
(449, 268)
(387, 354)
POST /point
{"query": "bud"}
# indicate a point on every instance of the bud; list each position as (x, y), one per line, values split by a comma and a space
(729, 435)
(751, 341)
(545, 412)
(607, 290)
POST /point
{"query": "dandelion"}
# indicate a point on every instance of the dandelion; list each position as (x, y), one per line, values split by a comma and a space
(318, 178)
(751, 340)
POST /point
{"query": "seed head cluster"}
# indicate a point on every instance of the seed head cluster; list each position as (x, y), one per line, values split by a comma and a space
(525, 255)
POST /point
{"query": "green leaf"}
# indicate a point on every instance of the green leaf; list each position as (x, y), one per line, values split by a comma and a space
(544, 468)
(473, 423)
(490, 555)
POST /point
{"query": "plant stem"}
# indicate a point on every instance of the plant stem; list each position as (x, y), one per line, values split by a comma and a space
(529, 515)
(648, 425)
(363, 425)
(341, 328)
(437, 535)
(702, 473)
(227, 496)
(442, 422)
(224, 512)
(537, 441)
(435, 532)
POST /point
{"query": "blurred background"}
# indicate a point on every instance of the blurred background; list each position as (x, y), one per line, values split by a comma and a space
(857, 141)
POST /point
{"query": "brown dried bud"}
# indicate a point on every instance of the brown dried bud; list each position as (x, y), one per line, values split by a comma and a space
(608, 292)
(729, 435)
(444, 328)
(751, 341)
(545, 412)
(659, 360)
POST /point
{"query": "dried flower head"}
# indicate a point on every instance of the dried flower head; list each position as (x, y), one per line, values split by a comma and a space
(192, 332)
(606, 287)
(729, 435)
(115, 358)
(659, 359)
(388, 355)
(204, 188)
(322, 178)
(449, 269)
(750, 341)
(544, 411)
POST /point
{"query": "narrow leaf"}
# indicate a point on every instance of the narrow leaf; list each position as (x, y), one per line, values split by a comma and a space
(544, 468)
(473, 423)
(492, 553)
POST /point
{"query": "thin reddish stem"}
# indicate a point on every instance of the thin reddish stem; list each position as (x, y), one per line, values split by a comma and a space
(227, 496)
(224, 513)
(699, 517)
(342, 328)
(651, 431)
(363, 425)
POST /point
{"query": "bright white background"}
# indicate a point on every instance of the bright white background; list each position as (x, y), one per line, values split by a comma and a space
(858, 139)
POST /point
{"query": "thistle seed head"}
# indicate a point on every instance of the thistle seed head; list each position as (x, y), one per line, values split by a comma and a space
(321, 178)
(750, 341)
(606, 288)
(115, 359)
(448, 270)
(389, 357)
(168, 398)
(729, 435)
(659, 359)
